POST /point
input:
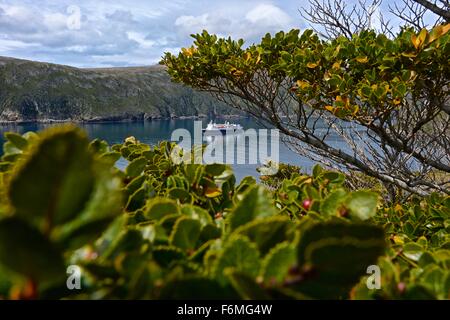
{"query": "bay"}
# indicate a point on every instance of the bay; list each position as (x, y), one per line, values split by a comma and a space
(152, 132)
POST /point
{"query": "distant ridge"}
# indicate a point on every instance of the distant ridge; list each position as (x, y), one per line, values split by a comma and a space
(43, 92)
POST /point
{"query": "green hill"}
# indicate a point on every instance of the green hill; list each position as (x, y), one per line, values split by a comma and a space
(36, 91)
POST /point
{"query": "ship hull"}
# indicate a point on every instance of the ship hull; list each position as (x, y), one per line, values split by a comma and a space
(221, 131)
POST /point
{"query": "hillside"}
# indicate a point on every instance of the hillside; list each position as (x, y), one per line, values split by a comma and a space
(36, 91)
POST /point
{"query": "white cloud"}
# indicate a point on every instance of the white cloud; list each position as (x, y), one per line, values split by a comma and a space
(248, 24)
(141, 39)
(14, 45)
(268, 15)
(77, 48)
(213, 22)
(128, 32)
(55, 21)
(191, 21)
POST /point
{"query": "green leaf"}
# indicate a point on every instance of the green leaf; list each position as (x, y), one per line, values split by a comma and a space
(426, 259)
(169, 221)
(240, 254)
(25, 250)
(136, 167)
(157, 208)
(362, 204)
(446, 286)
(180, 194)
(54, 181)
(423, 241)
(197, 213)
(277, 262)
(317, 170)
(418, 292)
(199, 253)
(334, 255)
(31, 136)
(128, 240)
(165, 255)
(104, 205)
(185, 233)
(155, 233)
(135, 184)
(334, 177)
(408, 228)
(246, 182)
(137, 200)
(111, 157)
(10, 151)
(193, 173)
(413, 251)
(331, 205)
(366, 91)
(17, 140)
(210, 232)
(98, 146)
(247, 288)
(267, 232)
(256, 203)
(4, 166)
(215, 169)
(433, 277)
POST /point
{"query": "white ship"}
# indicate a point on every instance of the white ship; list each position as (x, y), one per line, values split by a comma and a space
(223, 128)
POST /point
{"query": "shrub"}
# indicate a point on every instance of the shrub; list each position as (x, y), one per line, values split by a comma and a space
(387, 99)
(162, 230)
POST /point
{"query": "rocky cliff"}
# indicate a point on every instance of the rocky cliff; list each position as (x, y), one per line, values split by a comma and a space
(36, 91)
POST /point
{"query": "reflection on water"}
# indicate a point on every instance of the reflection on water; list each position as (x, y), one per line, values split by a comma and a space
(152, 132)
(243, 147)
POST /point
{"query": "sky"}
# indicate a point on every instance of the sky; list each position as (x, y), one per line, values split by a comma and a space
(131, 32)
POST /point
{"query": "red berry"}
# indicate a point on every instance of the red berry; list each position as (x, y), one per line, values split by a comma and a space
(306, 204)
(294, 270)
(30, 291)
(401, 286)
(343, 212)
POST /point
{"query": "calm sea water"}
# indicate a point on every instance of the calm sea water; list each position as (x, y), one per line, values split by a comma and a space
(152, 132)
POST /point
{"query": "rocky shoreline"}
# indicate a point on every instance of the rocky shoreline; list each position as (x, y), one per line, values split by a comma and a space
(127, 118)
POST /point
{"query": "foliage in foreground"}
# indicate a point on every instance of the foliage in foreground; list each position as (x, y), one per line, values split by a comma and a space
(159, 230)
